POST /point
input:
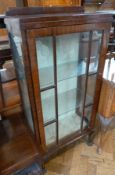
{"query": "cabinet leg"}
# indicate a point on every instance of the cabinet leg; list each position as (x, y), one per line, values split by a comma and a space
(89, 139)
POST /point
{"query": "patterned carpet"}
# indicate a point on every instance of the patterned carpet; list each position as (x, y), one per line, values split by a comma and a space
(32, 170)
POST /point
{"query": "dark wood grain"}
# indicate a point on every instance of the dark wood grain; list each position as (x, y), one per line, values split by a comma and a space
(43, 10)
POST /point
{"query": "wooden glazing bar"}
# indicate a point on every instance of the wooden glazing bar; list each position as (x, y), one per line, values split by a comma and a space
(55, 81)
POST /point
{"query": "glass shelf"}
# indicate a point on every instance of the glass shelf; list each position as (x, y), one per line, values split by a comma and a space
(70, 99)
(69, 124)
(65, 71)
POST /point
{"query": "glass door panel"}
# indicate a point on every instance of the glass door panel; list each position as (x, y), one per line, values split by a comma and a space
(48, 105)
(44, 48)
(70, 68)
(50, 134)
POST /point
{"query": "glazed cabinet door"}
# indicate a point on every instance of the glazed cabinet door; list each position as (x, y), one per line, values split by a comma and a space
(64, 67)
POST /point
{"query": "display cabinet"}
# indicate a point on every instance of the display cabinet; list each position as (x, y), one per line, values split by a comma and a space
(59, 56)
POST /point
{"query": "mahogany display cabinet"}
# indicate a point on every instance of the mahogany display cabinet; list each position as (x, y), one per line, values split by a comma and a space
(59, 55)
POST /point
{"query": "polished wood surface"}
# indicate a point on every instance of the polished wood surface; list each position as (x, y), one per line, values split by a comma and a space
(43, 10)
(17, 148)
(107, 97)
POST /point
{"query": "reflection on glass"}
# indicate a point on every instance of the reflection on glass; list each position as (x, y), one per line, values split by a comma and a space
(90, 89)
(44, 47)
(95, 51)
(7, 72)
(48, 105)
(50, 134)
(70, 62)
(88, 112)
(67, 49)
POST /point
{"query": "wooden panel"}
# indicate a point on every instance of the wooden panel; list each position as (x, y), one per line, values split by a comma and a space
(113, 108)
(6, 4)
(106, 105)
(53, 3)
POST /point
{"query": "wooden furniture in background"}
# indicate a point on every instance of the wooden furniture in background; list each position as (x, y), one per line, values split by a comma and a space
(9, 91)
(106, 109)
(92, 5)
(95, 5)
(17, 148)
(107, 97)
(108, 5)
(51, 70)
(111, 45)
(54, 3)
(21, 3)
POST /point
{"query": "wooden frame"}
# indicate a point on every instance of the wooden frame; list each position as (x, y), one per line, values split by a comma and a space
(44, 25)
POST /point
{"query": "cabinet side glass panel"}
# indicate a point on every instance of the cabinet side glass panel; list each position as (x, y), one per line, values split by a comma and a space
(18, 61)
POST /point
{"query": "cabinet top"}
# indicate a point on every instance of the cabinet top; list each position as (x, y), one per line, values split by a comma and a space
(32, 14)
(43, 10)
(26, 18)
